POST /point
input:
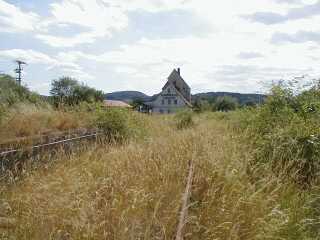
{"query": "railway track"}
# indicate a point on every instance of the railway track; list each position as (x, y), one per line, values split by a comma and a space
(53, 143)
(13, 160)
(185, 203)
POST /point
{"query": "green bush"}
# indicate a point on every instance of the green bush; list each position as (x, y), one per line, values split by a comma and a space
(225, 104)
(285, 133)
(184, 120)
(201, 106)
(11, 93)
(114, 123)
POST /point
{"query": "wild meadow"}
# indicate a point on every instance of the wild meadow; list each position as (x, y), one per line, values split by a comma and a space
(256, 173)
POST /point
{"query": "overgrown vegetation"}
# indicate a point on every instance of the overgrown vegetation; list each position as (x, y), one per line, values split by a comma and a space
(134, 190)
(27, 114)
(28, 120)
(285, 132)
(256, 173)
(119, 124)
(11, 93)
(184, 119)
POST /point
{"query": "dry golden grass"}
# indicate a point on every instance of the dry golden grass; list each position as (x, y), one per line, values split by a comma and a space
(25, 120)
(134, 191)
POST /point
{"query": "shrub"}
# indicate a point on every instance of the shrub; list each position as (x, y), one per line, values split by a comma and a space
(184, 120)
(201, 106)
(11, 93)
(225, 104)
(285, 133)
(114, 123)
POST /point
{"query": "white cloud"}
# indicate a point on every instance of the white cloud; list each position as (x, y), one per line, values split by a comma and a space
(148, 5)
(237, 55)
(13, 19)
(80, 38)
(30, 56)
(33, 58)
(100, 19)
(204, 62)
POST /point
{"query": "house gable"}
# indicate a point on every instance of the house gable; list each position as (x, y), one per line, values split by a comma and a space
(170, 100)
(175, 95)
(179, 83)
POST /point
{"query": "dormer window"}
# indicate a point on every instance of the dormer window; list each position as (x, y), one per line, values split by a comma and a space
(169, 90)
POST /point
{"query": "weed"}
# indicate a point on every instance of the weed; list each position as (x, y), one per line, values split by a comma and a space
(184, 119)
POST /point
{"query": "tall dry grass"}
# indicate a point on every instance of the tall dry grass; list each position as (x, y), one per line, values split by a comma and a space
(133, 191)
(27, 120)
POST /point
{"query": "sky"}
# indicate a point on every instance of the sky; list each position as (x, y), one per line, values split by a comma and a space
(116, 45)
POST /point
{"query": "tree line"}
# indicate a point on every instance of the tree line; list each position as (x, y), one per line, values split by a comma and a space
(63, 91)
(67, 90)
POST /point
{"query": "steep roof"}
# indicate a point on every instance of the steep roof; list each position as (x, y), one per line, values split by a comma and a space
(174, 76)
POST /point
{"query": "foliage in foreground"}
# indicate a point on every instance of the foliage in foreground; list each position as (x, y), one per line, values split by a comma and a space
(285, 133)
(29, 120)
(133, 191)
(11, 93)
(119, 124)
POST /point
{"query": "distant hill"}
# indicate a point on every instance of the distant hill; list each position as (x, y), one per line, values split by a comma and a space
(128, 96)
(243, 98)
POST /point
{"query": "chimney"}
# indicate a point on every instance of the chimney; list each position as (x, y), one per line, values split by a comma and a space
(178, 70)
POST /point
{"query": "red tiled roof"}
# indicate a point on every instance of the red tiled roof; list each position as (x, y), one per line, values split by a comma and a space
(114, 103)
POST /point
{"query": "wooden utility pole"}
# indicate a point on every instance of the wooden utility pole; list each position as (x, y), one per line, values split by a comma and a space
(18, 71)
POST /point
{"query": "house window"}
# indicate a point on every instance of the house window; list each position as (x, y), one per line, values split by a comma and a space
(169, 101)
(162, 102)
(169, 90)
(176, 102)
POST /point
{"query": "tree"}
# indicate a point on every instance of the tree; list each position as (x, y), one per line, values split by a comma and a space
(11, 92)
(225, 104)
(63, 89)
(136, 103)
(69, 91)
(84, 93)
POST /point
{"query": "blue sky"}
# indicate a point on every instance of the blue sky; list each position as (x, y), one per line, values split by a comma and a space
(113, 45)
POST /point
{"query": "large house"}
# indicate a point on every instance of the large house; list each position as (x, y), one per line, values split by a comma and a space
(175, 95)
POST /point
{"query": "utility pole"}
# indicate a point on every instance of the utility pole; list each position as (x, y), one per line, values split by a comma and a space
(18, 71)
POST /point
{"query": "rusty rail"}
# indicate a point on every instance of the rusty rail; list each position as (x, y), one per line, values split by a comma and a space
(42, 139)
(185, 203)
(13, 161)
(36, 147)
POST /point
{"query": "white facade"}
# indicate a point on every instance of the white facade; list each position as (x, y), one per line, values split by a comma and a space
(171, 99)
